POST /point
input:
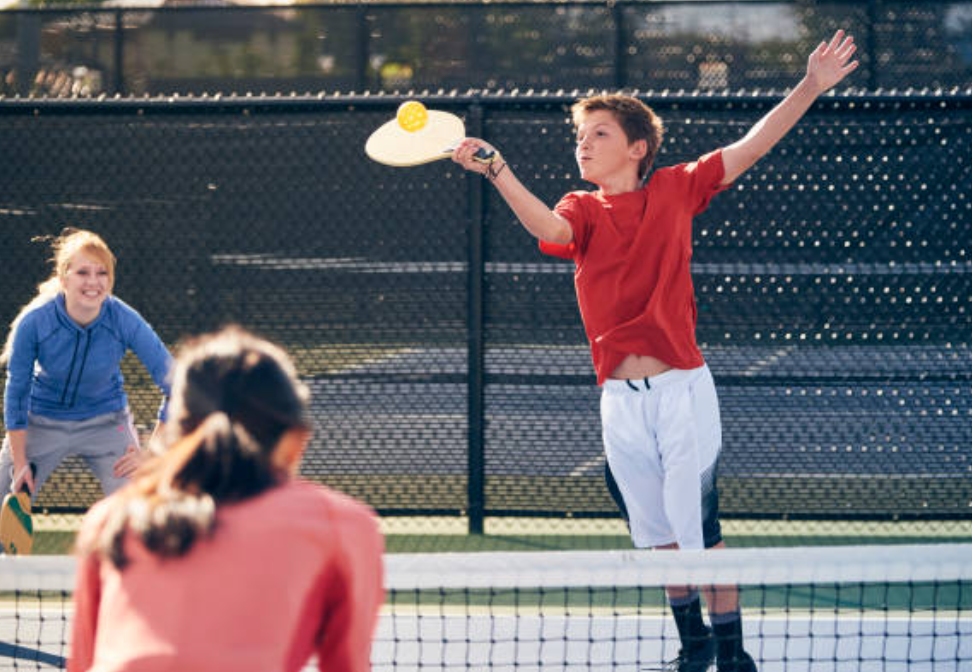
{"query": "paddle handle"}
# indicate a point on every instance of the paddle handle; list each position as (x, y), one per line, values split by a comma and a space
(20, 477)
(484, 156)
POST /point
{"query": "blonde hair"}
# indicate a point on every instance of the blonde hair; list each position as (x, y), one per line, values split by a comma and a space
(65, 247)
(637, 120)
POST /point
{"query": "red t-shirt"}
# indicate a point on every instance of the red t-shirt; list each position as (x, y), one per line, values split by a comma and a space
(632, 253)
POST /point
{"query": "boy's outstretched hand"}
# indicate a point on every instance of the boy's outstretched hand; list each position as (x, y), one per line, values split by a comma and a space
(830, 62)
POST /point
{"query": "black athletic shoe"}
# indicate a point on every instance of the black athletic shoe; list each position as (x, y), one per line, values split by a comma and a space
(742, 663)
(696, 657)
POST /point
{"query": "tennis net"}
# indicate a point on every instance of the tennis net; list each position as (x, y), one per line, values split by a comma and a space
(816, 608)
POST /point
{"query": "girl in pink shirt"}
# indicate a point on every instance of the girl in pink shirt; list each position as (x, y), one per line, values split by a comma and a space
(217, 557)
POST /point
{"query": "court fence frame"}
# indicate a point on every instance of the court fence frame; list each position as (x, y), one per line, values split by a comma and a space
(348, 46)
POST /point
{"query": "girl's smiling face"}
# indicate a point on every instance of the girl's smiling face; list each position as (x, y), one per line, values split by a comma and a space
(86, 284)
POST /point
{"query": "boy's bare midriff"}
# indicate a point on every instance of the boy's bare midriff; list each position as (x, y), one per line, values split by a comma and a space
(639, 366)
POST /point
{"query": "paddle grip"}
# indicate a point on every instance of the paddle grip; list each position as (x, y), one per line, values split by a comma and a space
(484, 156)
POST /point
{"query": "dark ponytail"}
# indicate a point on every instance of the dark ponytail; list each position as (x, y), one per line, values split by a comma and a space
(234, 397)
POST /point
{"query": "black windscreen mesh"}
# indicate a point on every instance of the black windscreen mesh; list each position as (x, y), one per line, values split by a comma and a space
(834, 284)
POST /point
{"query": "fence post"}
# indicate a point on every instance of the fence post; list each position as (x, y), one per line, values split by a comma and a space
(476, 494)
(620, 47)
(119, 56)
(28, 48)
(361, 70)
(872, 17)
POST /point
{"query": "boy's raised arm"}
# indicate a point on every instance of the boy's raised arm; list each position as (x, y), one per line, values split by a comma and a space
(827, 66)
(535, 216)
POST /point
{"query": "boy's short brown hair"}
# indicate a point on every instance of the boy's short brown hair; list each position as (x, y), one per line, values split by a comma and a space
(637, 120)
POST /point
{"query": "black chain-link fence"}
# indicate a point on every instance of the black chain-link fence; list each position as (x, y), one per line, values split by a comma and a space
(676, 45)
(449, 369)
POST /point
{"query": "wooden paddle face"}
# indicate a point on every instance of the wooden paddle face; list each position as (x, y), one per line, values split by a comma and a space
(16, 526)
(392, 145)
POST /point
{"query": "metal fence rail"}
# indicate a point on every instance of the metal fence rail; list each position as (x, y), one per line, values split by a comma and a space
(379, 46)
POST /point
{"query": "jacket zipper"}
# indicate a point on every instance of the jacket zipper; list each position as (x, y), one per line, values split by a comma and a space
(84, 360)
(74, 357)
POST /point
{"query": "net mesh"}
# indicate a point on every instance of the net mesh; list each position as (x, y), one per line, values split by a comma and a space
(821, 608)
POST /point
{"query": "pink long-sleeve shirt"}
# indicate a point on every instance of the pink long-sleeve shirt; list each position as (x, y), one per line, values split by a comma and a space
(292, 572)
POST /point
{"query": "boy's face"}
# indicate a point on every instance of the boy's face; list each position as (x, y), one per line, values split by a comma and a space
(603, 152)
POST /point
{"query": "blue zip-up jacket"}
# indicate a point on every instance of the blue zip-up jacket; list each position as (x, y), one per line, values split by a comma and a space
(60, 370)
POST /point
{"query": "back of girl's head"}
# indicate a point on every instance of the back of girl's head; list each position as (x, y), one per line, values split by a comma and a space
(234, 397)
(235, 374)
(638, 121)
(65, 247)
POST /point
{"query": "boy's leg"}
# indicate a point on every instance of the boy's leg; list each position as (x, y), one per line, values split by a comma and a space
(723, 601)
(634, 463)
(698, 645)
(731, 655)
(101, 442)
(678, 445)
(678, 439)
(635, 478)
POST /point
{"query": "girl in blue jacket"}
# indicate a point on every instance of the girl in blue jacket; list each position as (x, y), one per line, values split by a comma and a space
(65, 393)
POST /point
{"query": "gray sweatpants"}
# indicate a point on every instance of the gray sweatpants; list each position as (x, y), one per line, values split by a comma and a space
(99, 441)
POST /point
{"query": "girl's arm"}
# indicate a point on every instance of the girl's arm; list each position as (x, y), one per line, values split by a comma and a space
(20, 374)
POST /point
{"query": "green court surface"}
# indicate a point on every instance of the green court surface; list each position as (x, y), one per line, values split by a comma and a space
(55, 533)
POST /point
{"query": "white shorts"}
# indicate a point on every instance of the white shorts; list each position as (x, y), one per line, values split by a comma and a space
(662, 437)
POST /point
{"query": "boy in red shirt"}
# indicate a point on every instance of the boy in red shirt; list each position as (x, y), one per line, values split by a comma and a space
(631, 242)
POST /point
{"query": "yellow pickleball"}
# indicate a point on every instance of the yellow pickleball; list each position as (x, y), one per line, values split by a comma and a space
(412, 116)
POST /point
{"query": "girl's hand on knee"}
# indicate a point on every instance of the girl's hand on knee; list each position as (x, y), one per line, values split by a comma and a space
(128, 464)
(23, 477)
